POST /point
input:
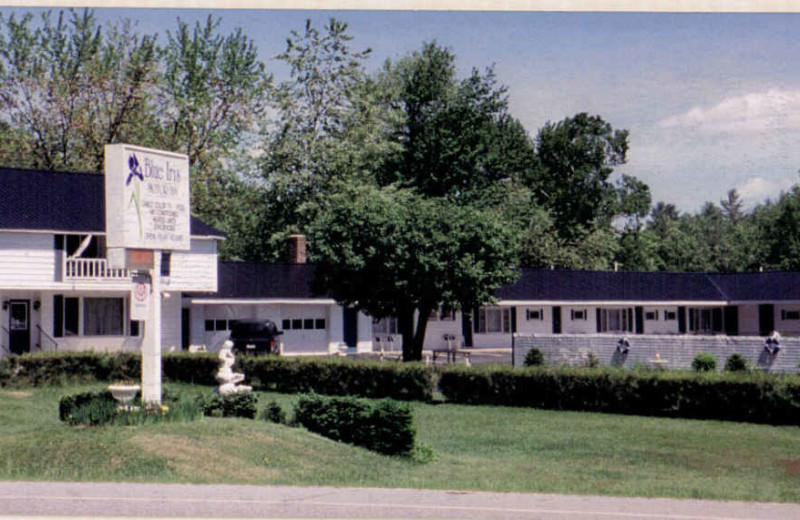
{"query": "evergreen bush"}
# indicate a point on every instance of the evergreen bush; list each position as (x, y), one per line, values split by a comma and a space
(704, 362)
(385, 427)
(736, 363)
(534, 357)
(243, 404)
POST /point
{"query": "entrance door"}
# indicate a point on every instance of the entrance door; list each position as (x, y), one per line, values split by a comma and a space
(186, 328)
(766, 319)
(19, 326)
(350, 327)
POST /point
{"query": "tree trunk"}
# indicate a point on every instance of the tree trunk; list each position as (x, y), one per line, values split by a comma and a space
(405, 325)
(419, 334)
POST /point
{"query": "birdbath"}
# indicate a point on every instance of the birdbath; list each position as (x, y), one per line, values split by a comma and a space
(124, 394)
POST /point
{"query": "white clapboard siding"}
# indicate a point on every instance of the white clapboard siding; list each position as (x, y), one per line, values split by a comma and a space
(196, 269)
(171, 323)
(26, 259)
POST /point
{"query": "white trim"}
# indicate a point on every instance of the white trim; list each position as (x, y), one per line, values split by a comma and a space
(262, 301)
(98, 233)
(589, 303)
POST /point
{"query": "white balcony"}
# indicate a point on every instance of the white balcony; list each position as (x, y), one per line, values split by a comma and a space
(91, 269)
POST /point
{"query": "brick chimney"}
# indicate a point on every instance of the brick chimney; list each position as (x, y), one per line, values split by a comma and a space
(297, 249)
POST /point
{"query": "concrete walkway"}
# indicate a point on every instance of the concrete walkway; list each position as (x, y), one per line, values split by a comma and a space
(106, 500)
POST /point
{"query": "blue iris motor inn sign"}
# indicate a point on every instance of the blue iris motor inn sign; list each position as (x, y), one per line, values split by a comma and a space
(147, 211)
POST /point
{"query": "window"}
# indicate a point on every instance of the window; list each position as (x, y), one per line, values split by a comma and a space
(651, 315)
(385, 326)
(218, 325)
(614, 320)
(669, 315)
(103, 316)
(578, 315)
(493, 320)
(790, 315)
(134, 328)
(705, 320)
(534, 314)
(303, 323)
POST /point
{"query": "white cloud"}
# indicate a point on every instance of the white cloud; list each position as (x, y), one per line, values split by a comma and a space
(756, 189)
(754, 112)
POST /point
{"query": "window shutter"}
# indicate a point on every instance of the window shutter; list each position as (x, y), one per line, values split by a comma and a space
(166, 260)
(513, 320)
(597, 317)
(58, 315)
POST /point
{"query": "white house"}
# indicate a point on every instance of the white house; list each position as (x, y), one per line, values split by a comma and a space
(56, 290)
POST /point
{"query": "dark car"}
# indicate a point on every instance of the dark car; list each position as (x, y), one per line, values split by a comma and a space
(255, 337)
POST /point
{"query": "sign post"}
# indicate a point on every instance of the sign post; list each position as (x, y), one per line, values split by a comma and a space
(147, 211)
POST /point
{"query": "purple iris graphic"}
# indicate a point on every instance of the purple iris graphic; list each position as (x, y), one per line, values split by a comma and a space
(135, 169)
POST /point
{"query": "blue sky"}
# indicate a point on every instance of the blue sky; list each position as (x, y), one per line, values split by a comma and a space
(712, 101)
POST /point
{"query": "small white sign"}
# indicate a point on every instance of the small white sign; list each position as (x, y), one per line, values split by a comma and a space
(147, 198)
(140, 301)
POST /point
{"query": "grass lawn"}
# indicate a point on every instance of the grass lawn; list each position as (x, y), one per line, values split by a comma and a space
(477, 447)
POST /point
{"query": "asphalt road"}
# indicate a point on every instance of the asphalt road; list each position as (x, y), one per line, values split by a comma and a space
(106, 500)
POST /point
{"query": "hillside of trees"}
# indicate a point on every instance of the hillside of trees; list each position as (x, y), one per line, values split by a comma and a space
(271, 158)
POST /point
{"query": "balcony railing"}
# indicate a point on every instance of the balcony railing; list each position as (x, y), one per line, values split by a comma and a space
(91, 269)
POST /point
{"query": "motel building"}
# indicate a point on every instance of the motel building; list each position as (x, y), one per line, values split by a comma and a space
(59, 293)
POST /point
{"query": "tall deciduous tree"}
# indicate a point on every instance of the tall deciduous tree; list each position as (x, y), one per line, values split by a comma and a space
(213, 95)
(576, 156)
(69, 86)
(457, 137)
(392, 253)
(332, 126)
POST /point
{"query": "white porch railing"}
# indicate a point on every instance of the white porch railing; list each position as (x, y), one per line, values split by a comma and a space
(91, 269)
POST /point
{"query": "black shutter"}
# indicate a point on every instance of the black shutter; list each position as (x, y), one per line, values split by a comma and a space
(639, 320)
(732, 320)
(682, 320)
(630, 319)
(513, 320)
(58, 242)
(58, 315)
(166, 260)
(597, 314)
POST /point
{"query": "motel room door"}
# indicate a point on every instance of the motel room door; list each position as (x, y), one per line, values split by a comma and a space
(350, 327)
(19, 326)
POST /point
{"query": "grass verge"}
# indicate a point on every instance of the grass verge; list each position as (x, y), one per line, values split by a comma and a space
(477, 447)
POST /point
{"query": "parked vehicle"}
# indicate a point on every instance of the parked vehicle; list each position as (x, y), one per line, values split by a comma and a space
(256, 337)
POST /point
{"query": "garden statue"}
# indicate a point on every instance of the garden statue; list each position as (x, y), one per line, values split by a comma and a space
(227, 378)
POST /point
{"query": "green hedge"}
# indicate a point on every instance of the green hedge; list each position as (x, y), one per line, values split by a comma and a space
(332, 376)
(760, 398)
(385, 427)
(44, 368)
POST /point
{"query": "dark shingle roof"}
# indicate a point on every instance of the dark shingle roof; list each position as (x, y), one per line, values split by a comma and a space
(61, 201)
(769, 286)
(566, 285)
(254, 280)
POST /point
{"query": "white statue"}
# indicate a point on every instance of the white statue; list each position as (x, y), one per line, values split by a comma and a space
(227, 378)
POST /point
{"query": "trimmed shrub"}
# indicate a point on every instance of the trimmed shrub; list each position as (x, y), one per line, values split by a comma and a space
(736, 363)
(704, 362)
(242, 404)
(274, 413)
(385, 428)
(764, 398)
(406, 381)
(534, 357)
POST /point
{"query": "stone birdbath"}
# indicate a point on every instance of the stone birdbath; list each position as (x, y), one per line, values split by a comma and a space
(124, 393)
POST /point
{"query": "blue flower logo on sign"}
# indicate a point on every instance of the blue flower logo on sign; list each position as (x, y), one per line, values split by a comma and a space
(135, 173)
